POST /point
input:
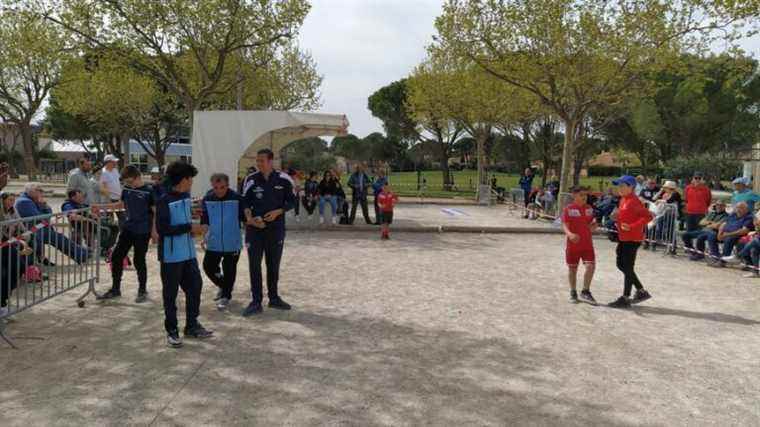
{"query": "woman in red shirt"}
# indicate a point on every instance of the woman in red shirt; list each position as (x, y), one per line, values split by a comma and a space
(632, 219)
(698, 201)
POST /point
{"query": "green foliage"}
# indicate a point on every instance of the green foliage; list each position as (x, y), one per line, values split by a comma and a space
(310, 154)
(605, 171)
(389, 104)
(713, 167)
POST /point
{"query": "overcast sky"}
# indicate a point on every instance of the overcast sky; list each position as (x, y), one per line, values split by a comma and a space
(362, 45)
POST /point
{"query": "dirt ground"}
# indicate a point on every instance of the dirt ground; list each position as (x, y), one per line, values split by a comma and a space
(427, 329)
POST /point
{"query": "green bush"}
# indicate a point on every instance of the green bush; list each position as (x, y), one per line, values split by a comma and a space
(605, 171)
(710, 165)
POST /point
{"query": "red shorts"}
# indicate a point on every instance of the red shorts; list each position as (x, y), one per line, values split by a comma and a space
(574, 256)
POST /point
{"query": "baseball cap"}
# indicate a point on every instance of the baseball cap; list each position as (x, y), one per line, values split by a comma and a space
(110, 158)
(741, 180)
(625, 179)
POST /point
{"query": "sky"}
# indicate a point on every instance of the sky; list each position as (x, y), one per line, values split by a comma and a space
(362, 45)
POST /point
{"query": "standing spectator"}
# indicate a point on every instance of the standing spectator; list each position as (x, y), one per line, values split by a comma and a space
(650, 192)
(707, 227)
(110, 179)
(157, 184)
(640, 184)
(377, 188)
(737, 224)
(526, 185)
(698, 200)
(742, 193)
(222, 213)
(359, 183)
(310, 193)
(82, 179)
(668, 204)
(328, 193)
(553, 186)
(297, 189)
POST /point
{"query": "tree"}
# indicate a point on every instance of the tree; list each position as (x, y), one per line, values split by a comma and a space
(389, 104)
(31, 54)
(349, 147)
(184, 46)
(576, 56)
(310, 154)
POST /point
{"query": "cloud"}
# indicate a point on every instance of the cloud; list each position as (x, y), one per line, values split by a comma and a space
(362, 45)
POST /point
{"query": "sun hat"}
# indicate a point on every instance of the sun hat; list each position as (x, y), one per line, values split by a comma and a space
(671, 185)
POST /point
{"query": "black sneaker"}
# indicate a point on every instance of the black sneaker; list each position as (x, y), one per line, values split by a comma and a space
(586, 296)
(621, 302)
(219, 295)
(640, 296)
(173, 339)
(112, 293)
(198, 331)
(47, 263)
(142, 296)
(574, 297)
(279, 304)
(252, 309)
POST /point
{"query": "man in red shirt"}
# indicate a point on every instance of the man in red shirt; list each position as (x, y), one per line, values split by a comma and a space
(579, 224)
(631, 221)
(698, 201)
(386, 200)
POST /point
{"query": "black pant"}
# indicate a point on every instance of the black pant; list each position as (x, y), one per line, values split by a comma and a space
(267, 243)
(359, 199)
(224, 279)
(11, 266)
(128, 240)
(187, 276)
(692, 221)
(310, 204)
(626, 261)
(378, 212)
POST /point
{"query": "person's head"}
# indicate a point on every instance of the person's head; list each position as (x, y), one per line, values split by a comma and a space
(640, 179)
(740, 184)
(327, 175)
(670, 186)
(85, 165)
(381, 173)
(742, 209)
(220, 183)
(312, 175)
(625, 185)
(580, 194)
(719, 206)
(358, 168)
(155, 174)
(132, 176)
(76, 196)
(8, 200)
(528, 171)
(697, 179)
(33, 190)
(264, 159)
(387, 186)
(652, 184)
(110, 162)
(180, 176)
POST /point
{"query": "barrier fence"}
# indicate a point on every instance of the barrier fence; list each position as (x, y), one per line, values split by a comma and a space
(45, 256)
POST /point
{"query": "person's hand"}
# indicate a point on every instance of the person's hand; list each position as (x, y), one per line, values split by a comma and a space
(196, 229)
(203, 244)
(625, 227)
(721, 235)
(273, 215)
(26, 250)
(574, 237)
(258, 222)
(154, 237)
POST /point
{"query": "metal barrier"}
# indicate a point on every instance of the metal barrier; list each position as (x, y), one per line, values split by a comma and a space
(662, 230)
(45, 256)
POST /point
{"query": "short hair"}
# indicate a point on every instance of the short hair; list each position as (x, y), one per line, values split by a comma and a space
(220, 177)
(130, 171)
(82, 160)
(577, 189)
(267, 152)
(177, 171)
(71, 193)
(32, 186)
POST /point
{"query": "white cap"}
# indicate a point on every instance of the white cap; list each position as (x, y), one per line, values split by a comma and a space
(671, 185)
(110, 158)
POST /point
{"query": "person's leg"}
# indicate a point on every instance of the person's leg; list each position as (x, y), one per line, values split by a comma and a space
(712, 242)
(170, 285)
(377, 210)
(692, 222)
(9, 273)
(728, 245)
(141, 244)
(588, 275)
(297, 206)
(365, 210)
(572, 277)
(211, 267)
(275, 241)
(192, 284)
(229, 267)
(78, 253)
(334, 205)
(123, 244)
(626, 262)
(688, 238)
(255, 254)
(322, 201)
(355, 200)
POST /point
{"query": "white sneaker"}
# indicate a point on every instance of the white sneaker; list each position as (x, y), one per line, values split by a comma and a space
(222, 304)
(751, 275)
(298, 218)
(730, 259)
(335, 220)
(321, 220)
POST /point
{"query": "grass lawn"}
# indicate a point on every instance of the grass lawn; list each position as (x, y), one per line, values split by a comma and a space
(405, 183)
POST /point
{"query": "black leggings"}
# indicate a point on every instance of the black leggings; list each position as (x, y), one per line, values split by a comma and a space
(126, 241)
(224, 279)
(626, 261)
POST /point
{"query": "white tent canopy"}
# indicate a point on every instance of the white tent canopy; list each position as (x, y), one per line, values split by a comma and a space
(224, 141)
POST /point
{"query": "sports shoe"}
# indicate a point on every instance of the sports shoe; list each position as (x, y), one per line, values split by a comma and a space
(586, 296)
(219, 295)
(696, 257)
(198, 331)
(252, 309)
(641, 295)
(574, 297)
(222, 304)
(279, 304)
(731, 259)
(321, 220)
(111, 294)
(298, 218)
(173, 339)
(335, 220)
(621, 302)
(717, 263)
(142, 296)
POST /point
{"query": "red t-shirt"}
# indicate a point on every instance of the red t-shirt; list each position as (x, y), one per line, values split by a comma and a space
(386, 200)
(698, 199)
(632, 212)
(578, 219)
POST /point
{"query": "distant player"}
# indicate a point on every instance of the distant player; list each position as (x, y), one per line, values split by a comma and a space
(386, 200)
(579, 225)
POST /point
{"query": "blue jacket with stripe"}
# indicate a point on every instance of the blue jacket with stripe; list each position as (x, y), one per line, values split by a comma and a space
(223, 217)
(174, 226)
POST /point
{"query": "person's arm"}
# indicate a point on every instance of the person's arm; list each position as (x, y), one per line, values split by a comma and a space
(103, 181)
(204, 212)
(644, 217)
(163, 223)
(27, 208)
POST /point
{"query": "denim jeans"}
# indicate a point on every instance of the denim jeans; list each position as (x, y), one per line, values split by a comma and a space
(728, 245)
(332, 200)
(750, 253)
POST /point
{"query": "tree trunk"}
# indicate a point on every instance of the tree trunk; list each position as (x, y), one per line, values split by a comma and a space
(30, 160)
(577, 167)
(481, 144)
(444, 159)
(568, 151)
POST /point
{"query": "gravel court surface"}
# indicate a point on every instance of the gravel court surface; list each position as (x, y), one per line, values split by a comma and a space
(431, 329)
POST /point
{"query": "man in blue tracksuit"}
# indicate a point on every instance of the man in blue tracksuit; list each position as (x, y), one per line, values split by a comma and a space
(176, 252)
(268, 194)
(222, 213)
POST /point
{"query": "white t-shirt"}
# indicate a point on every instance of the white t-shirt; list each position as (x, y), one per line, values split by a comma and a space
(111, 181)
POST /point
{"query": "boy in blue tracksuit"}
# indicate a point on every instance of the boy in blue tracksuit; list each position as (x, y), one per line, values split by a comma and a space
(222, 213)
(176, 252)
(268, 195)
(137, 228)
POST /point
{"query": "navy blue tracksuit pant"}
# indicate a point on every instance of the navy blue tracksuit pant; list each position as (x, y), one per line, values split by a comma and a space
(268, 244)
(185, 275)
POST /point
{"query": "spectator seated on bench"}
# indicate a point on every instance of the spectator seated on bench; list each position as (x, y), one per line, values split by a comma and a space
(709, 225)
(737, 225)
(749, 251)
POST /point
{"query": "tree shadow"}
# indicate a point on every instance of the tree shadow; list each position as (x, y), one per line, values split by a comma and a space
(711, 316)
